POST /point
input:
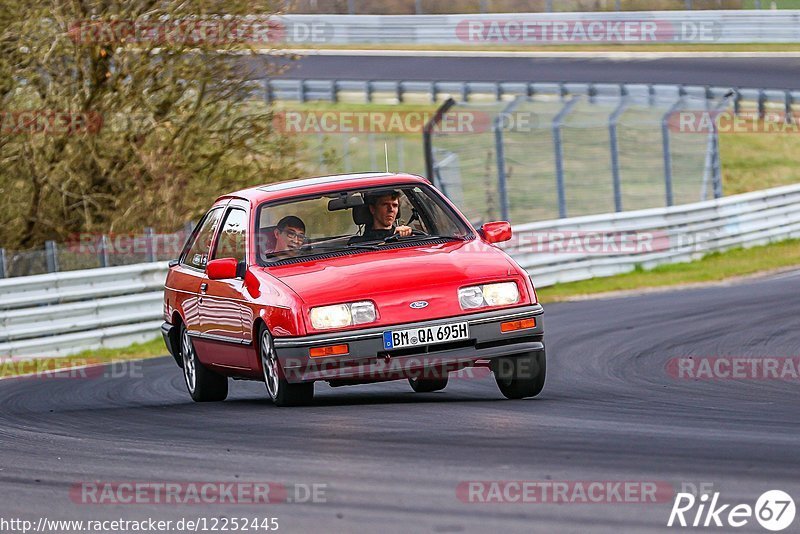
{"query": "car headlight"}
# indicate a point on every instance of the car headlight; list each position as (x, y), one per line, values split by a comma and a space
(341, 315)
(501, 294)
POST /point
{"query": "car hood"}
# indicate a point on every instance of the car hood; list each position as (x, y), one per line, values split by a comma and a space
(394, 278)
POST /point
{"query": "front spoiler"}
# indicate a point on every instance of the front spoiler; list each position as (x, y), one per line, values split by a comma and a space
(368, 360)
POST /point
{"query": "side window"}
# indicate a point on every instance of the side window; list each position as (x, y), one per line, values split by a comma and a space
(232, 240)
(197, 256)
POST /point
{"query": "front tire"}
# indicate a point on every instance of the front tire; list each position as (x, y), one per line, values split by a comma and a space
(520, 376)
(203, 385)
(427, 385)
(280, 391)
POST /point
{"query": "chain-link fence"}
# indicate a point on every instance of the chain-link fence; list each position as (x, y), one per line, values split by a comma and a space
(89, 251)
(544, 157)
(420, 7)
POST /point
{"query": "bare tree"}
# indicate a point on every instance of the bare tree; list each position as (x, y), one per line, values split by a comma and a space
(119, 114)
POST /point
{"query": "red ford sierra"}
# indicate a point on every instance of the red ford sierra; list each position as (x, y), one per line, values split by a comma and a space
(348, 279)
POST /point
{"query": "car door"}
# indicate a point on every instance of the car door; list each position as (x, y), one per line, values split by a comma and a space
(187, 278)
(222, 302)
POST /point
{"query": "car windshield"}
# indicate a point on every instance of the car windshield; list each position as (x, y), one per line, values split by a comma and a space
(354, 220)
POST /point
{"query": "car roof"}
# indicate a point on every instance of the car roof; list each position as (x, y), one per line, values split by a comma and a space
(322, 185)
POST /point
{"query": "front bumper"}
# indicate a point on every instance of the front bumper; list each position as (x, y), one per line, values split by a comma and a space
(367, 359)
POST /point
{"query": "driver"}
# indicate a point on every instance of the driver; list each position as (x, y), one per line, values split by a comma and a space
(384, 207)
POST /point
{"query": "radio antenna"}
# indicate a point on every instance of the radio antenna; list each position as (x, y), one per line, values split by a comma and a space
(386, 155)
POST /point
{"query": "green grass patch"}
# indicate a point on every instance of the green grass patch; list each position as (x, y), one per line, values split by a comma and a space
(755, 161)
(136, 351)
(713, 267)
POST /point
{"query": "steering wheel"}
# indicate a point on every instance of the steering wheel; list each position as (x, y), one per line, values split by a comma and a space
(397, 237)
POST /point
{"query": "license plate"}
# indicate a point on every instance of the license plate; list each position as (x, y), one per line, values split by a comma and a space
(443, 333)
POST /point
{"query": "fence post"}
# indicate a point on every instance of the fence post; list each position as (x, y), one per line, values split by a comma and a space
(787, 108)
(427, 136)
(665, 145)
(497, 127)
(3, 264)
(301, 90)
(351, 7)
(618, 5)
(559, 154)
(717, 166)
(368, 90)
(51, 255)
(716, 162)
(149, 244)
(549, 6)
(102, 251)
(689, 4)
(267, 91)
(612, 135)
(334, 91)
(418, 7)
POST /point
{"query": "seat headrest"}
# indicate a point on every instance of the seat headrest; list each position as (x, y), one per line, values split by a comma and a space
(266, 239)
(362, 215)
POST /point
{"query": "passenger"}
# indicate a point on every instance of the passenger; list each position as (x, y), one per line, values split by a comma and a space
(290, 235)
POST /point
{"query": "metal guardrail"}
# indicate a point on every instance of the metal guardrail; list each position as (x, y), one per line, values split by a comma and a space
(481, 29)
(304, 90)
(658, 236)
(76, 310)
(63, 313)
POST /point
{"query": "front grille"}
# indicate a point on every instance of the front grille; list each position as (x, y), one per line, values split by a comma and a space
(428, 349)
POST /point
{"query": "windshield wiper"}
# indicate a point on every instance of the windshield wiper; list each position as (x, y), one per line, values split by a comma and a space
(398, 237)
(364, 246)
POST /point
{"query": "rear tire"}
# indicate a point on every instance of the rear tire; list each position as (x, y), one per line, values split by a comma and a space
(203, 385)
(427, 385)
(280, 391)
(520, 376)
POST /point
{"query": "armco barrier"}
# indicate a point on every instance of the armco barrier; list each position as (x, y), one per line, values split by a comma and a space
(714, 26)
(118, 305)
(64, 313)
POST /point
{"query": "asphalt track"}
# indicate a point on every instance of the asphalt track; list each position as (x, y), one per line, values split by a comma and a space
(392, 459)
(755, 72)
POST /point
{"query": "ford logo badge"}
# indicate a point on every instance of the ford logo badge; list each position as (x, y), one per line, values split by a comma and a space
(419, 304)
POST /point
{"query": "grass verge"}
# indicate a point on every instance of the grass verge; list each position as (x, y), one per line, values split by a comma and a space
(148, 349)
(713, 267)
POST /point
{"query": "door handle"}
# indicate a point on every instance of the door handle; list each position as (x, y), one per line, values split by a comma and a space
(203, 287)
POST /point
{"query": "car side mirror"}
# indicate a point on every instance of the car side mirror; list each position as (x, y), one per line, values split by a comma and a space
(221, 269)
(496, 232)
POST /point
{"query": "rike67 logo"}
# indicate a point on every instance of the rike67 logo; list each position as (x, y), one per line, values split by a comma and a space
(774, 510)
